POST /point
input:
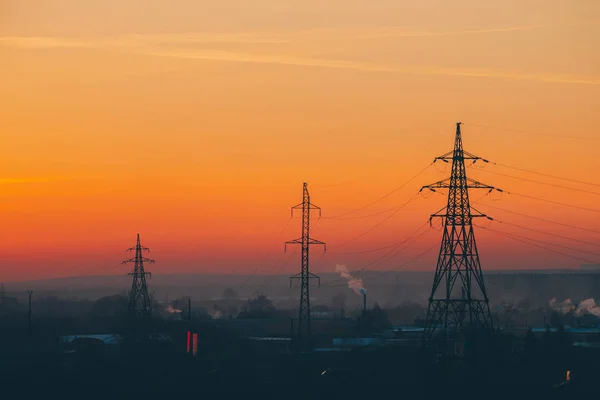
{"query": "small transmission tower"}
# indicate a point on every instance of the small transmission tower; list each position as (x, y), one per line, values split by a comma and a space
(303, 331)
(458, 306)
(139, 300)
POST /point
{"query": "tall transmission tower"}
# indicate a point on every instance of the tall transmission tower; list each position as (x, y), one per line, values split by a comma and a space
(458, 306)
(139, 300)
(303, 329)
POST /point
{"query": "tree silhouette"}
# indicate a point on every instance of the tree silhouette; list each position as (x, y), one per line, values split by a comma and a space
(258, 307)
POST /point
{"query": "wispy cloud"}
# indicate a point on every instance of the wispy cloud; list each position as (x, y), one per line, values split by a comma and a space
(178, 46)
(213, 55)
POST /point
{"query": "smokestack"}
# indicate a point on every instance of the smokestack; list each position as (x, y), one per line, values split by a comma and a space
(364, 303)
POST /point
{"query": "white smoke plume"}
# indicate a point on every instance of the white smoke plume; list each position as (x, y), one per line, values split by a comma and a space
(356, 284)
(587, 306)
(564, 307)
(172, 310)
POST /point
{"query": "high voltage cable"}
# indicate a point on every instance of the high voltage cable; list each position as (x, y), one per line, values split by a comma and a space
(378, 224)
(396, 268)
(554, 202)
(245, 282)
(547, 175)
(547, 233)
(411, 238)
(383, 197)
(552, 244)
(537, 218)
(362, 252)
(539, 182)
(405, 264)
(535, 133)
(365, 216)
(526, 241)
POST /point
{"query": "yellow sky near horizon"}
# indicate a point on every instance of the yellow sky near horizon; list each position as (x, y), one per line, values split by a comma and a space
(196, 122)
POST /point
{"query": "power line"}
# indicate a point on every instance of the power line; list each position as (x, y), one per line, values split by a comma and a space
(393, 269)
(379, 223)
(244, 283)
(554, 202)
(536, 133)
(411, 238)
(384, 196)
(364, 251)
(365, 216)
(538, 218)
(539, 182)
(405, 264)
(547, 175)
(547, 233)
(526, 240)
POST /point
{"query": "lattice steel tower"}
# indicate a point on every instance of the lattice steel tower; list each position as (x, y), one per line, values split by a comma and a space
(459, 309)
(140, 305)
(303, 328)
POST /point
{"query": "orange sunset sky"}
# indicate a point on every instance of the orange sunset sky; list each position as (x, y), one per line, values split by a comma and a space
(195, 122)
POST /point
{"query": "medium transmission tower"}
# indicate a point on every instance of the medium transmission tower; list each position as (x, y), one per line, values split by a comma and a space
(458, 306)
(139, 300)
(303, 329)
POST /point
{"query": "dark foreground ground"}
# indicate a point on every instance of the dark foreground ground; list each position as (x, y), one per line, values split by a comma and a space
(153, 373)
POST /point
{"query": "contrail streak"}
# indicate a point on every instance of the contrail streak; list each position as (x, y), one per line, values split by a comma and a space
(210, 55)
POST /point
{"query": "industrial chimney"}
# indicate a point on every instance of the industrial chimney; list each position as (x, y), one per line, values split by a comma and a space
(364, 303)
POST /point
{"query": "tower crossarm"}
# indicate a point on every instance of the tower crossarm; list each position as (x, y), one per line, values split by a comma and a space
(310, 276)
(462, 155)
(299, 241)
(470, 184)
(141, 248)
(143, 259)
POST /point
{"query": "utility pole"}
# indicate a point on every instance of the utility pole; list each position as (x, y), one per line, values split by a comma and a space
(458, 306)
(29, 293)
(303, 327)
(189, 309)
(139, 299)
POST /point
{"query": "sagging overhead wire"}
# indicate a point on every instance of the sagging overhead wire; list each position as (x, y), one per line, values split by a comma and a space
(540, 182)
(407, 263)
(536, 133)
(553, 202)
(382, 197)
(528, 241)
(378, 224)
(245, 282)
(538, 218)
(410, 239)
(547, 175)
(548, 233)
